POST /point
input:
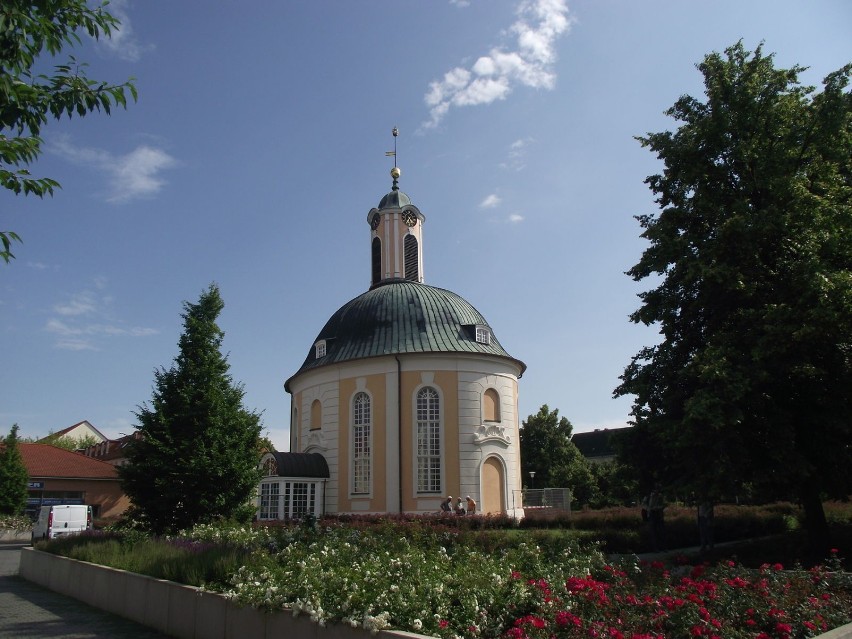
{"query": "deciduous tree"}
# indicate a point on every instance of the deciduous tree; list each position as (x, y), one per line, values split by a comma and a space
(547, 450)
(13, 476)
(197, 458)
(28, 31)
(750, 259)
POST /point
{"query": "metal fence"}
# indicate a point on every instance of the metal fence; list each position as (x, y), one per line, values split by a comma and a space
(552, 499)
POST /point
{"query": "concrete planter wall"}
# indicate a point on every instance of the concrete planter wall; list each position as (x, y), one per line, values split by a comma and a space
(187, 612)
(181, 611)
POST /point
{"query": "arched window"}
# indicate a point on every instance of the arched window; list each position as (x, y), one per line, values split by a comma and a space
(410, 257)
(428, 441)
(361, 432)
(377, 260)
(316, 415)
(491, 406)
(270, 468)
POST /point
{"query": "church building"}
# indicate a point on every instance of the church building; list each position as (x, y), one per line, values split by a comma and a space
(405, 397)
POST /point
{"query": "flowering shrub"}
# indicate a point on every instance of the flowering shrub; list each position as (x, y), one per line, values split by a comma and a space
(403, 577)
(644, 602)
(437, 580)
(17, 523)
(380, 579)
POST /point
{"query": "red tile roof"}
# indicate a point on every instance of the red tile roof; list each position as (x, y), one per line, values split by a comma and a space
(44, 460)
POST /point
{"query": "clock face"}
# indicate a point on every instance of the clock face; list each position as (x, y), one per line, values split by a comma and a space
(374, 223)
(409, 218)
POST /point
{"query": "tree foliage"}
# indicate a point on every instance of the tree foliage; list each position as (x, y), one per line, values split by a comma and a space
(13, 476)
(547, 450)
(70, 443)
(28, 31)
(197, 457)
(750, 257)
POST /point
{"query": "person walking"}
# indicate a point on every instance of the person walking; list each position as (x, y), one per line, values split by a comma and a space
(705, 524)
(656, 519)
(471, 505)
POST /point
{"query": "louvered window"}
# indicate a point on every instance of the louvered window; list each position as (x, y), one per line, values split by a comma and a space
(410, 252)
(377, 260)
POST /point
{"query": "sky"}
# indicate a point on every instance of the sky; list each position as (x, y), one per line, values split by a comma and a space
(257, 147)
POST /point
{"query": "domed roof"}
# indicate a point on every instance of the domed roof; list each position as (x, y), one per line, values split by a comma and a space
(403, 317)
(394, 199)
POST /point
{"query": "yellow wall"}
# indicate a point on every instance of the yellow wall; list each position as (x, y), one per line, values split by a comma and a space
(447, 383)
(376, 388)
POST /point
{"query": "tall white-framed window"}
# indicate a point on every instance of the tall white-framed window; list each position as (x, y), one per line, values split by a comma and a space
(269, 494)
(320, 349)
(362, 422)
(428, 435)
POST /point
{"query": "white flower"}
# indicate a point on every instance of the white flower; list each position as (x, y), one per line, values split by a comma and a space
(417, 624)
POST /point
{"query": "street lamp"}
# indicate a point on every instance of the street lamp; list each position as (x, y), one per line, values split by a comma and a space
(532, 479)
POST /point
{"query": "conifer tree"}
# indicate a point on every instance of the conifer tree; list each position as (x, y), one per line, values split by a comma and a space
(196, 460)
(13, 476)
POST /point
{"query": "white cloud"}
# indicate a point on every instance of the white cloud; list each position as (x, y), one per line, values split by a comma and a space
(490, 202)
(79, 304)
(131, 176)
(75, 345)
(137, 173)
(492, 77)
(85, 321)
(122, 40)
(516, 159)
(514, 218)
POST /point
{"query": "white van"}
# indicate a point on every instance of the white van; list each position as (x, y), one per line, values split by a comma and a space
(56, 521)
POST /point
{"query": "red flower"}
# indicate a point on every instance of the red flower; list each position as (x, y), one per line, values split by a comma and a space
(565, 618)
(443, 623)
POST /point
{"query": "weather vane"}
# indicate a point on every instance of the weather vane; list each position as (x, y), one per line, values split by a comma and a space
(395, 172)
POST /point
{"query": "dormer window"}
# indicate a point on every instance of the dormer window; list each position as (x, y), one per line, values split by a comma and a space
(483, 335)
(320, 349)
(270, 468)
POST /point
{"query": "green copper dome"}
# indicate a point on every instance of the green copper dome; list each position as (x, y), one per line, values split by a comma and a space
(394, 199)
(403, 317)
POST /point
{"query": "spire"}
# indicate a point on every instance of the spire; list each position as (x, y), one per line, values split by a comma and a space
(396, 233)
(395, 172)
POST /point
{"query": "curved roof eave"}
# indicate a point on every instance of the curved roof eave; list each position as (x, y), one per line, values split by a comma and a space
(521, 366)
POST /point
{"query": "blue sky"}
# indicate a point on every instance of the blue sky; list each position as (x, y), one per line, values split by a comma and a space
(257, 147)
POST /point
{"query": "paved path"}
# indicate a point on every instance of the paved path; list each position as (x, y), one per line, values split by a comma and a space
(28, 611)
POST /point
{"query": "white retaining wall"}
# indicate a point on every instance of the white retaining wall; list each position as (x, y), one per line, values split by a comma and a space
(180, 611)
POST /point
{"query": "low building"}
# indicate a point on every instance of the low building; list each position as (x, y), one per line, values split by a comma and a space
(59, 476)
(598, 446)
(112, 451)
(79, 432)
(293, 485)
